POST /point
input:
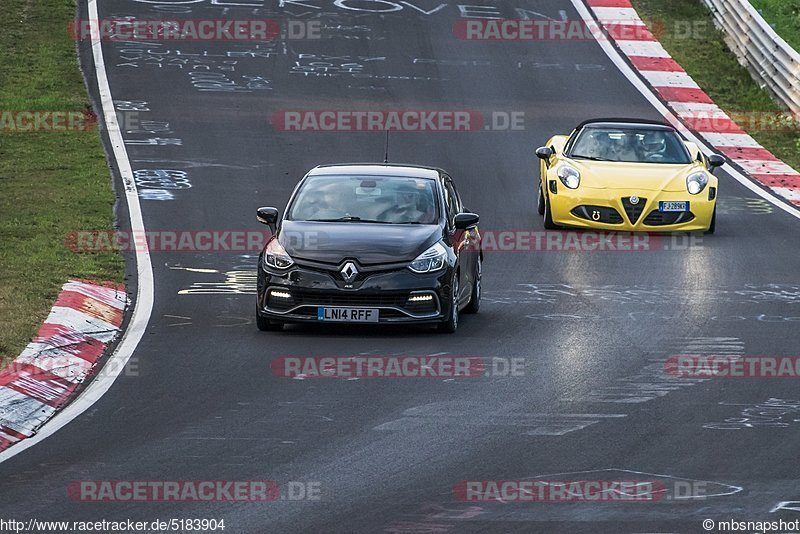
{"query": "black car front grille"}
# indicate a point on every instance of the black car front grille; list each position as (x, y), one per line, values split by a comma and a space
(602, 214)
(362, 276)
(665, 218)
(633, 211)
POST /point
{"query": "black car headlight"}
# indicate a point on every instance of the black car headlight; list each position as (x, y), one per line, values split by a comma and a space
(433, 259)
(276, 257)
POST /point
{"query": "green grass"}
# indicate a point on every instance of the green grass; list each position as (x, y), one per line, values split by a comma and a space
(783, 16)
(50, 183)
(713, 66)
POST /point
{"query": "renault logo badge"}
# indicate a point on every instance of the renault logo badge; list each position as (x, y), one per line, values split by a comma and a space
(634, 200)
(349, 271)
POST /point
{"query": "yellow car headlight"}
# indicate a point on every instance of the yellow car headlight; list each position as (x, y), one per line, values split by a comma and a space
(696, 182)
(569, 176)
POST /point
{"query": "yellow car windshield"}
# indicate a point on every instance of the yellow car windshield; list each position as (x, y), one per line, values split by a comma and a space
(630, 145)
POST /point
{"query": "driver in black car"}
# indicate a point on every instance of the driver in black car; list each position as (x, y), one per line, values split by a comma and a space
(406, 206)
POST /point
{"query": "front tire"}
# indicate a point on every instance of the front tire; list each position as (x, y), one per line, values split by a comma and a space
(540, 202)
(450, 325)
(548, 214)
(475, 300)
(265, 325)
(712, 226)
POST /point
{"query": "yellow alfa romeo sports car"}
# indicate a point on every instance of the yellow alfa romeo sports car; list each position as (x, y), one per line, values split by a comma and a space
(630, 175)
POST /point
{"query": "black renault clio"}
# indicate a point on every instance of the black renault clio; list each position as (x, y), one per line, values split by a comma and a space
(370, 243)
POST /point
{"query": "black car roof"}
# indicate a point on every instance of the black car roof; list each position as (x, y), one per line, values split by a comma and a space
(377, 169)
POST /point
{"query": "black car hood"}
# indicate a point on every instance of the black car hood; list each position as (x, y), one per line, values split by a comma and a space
(369, 244)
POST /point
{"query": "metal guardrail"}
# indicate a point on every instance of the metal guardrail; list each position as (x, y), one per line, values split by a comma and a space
(770, 59)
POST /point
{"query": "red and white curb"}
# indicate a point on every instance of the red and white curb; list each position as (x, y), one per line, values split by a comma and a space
(690, 103)
(84, 319)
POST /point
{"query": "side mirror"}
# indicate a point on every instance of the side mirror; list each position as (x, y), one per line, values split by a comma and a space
(464, 221)
(268, 216)
(544, 152)
(715, 160)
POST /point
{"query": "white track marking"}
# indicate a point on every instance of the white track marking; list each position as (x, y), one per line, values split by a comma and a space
(638, 48)
(144, 298)
(765, 166)
(730, 139)
(658, 78)
(791, 194)
(696, 108)
(618, 15)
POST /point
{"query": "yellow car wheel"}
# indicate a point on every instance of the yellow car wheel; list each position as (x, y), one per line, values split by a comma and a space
(548, 215)
(713, 224)
(540, 203)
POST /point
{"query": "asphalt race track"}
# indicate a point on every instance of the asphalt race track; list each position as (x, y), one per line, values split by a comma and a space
(593, 328)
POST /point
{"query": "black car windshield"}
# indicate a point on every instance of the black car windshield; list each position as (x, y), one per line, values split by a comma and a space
(366, 199)
(630, 145)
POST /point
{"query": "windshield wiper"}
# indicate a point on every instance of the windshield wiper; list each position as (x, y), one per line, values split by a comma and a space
(592, 158)
(350, 218)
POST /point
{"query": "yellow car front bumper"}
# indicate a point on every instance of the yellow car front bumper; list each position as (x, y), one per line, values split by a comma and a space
(578, 208)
